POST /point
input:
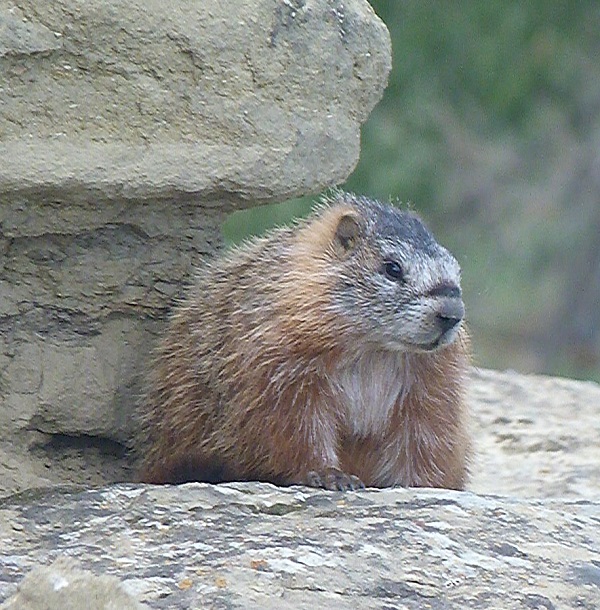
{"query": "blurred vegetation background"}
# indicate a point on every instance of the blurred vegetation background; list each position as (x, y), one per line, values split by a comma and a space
(490, 127)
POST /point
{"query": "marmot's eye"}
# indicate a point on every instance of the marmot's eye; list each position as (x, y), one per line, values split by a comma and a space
(393, 270)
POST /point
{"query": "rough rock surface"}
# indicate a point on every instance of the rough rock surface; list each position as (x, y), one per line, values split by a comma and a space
(535, 436)
(128, 128)
(141, 99)
(64, 586)
(256, 546)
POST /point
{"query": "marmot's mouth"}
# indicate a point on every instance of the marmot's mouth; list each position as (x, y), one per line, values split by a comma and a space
(446, 337)
(442, 340)
(427, 347)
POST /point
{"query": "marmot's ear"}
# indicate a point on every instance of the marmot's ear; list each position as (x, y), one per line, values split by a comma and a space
(347, 233)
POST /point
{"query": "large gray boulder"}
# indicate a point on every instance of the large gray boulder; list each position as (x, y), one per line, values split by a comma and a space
(128, 129)
(255, 546)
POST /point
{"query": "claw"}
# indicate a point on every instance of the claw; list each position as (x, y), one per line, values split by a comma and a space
(333, 479)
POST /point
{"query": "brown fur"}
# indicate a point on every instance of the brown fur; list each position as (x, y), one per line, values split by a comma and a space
(263, 375)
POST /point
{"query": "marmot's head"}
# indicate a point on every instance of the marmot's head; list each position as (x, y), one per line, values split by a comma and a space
(394, 283)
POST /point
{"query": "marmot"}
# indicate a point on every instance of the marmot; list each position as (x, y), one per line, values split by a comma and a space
(332, 353)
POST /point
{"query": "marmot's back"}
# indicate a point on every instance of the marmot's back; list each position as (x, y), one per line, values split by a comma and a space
(330, 353)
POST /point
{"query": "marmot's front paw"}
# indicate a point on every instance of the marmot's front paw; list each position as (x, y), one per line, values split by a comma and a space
(334, 480)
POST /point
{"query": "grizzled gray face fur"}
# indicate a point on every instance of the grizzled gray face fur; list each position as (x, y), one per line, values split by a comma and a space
(406, 286)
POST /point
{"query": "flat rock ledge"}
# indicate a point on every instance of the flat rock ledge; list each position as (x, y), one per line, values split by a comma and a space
(258, 546)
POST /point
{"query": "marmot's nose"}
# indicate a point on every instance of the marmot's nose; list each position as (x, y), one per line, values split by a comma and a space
(449, 314)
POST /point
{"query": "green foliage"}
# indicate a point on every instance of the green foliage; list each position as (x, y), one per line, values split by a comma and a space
(491, 65)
